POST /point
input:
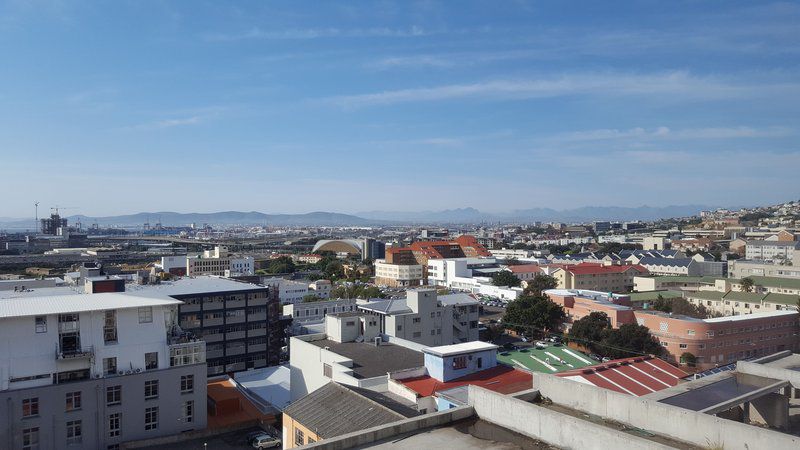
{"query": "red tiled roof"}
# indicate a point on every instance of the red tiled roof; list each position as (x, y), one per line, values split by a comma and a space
(635, 376)
(525, 268)
(501, 378)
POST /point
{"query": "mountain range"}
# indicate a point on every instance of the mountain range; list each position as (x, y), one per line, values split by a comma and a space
(320, 218)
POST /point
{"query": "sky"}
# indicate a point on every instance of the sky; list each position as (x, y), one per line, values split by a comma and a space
(200, 106)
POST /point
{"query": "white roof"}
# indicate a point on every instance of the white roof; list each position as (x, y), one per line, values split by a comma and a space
(271, 384)
(63, 304)
(457, 349)
(188, 286)
(751, 316)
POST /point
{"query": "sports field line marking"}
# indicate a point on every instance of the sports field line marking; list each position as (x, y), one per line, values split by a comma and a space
(544, 364)
(559, 359)
(576, 356)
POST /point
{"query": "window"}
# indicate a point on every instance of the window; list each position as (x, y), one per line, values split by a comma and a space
(74, 432)
(417, 334)
(151, 361)
(690, 332)
(299, 437)
(73, 400)
(151, 418)
(188, 411)
(433, 332)
(113, 395)
(146, 314)
(327, 370)
(109, 366)
(30, 438)
(114, 424)
(110, 328)
(187, 384)
(682, 346)
(480, 363)
(459, 362)
(41, 327)
(150, 389)
(30, 407)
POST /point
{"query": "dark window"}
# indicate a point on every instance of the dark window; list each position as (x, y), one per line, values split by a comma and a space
(187, 384)
(30, 407)
(113, 395)
(73, 401)
(151, 361)
(150, 389)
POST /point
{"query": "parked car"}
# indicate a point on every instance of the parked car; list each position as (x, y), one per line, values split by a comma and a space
(595, 357)
(264, 440)
(606, 359)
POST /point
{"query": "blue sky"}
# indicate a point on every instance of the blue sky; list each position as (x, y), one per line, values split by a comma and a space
(128, 106)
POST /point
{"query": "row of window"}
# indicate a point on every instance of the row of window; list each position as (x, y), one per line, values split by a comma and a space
(30, 406)
(110, 321)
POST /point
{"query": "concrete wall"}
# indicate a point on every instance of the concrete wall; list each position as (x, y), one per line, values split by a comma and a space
(550, 426)
(361, 438)
(697, 428)
(778, 373)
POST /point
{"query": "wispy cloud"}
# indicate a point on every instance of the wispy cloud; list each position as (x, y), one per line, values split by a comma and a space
(317, 33)
(667, 133)
(672, 84)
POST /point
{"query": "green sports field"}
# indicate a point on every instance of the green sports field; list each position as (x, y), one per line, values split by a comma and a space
(547, 360)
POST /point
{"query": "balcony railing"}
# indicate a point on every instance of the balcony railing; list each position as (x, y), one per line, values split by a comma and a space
(74, 353)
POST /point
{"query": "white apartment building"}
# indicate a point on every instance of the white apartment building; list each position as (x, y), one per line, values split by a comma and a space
(92, 372)
(306, 315)
(320, 288)
(741, 268)
(397, 275)
(456, 273)
(289, 291)
(771, 250)
(426, 319)
(221, 262)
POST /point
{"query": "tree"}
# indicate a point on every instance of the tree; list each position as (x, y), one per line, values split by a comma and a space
(688, 359)
(534, 314)
(747, 284)
(505, 278)
(540, 283)
(282, 264)
(590, 330)
(630, 340)
(494, 331)
(334, 269)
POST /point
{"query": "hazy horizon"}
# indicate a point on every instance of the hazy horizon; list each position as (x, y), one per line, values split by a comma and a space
(293, 107)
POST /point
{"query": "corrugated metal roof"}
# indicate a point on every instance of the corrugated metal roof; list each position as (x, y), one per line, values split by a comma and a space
(62, 304)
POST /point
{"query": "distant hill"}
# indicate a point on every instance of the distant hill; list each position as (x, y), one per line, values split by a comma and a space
(320, 218)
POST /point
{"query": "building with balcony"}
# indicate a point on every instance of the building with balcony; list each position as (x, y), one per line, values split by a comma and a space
(220, 262)
(94, 371)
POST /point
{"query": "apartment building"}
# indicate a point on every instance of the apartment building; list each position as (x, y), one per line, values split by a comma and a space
(699, 265)
(459, 274)
(426, 319)
(766, 250)
(221, 262)
(578, 304)
(308, 316)
(398, 275)
(741, 268)
(289, 291)
(93, 372)
(240, 322)
(608, 278)
(734, 303)
(320, 288)
(723, 340)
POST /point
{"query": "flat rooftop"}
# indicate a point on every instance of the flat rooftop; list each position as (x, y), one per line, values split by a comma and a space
(457, 349)
(56, 304)
(190, 286)
(470, 434)
(371, 361)
(735, 385)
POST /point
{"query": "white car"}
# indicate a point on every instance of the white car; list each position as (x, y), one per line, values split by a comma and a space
(264, 440)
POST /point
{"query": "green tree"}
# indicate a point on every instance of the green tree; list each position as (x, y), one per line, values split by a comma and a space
(540, 283)
(630, 340)
(282, 264)
(534, 314)
(505, 278)
(747, 284)
(688, 359)
(590, 330)
(494, 331)
(333, 270)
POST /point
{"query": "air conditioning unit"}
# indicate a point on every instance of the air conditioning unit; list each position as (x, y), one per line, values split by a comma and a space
(120, 373)
(128, 372)
(138, 370)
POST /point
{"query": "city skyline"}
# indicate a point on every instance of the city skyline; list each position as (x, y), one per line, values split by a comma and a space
(291, 108)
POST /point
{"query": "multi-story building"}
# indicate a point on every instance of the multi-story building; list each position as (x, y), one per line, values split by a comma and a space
(92, 372)
(240, 322)
(734, 303)
(699, 265)
(607, 278)
(716, 341)
(723, 340)
(221, 262)
(426, 319)
(458, 273)
(766, 250)
(741, 268)
(408, 266)
(289, 291)
(320, 288)
(307, 314)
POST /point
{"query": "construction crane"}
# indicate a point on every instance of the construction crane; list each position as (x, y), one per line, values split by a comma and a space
(55, 209)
